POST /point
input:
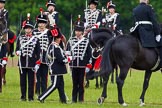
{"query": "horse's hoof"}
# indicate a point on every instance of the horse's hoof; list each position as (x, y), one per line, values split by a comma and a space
(100, 100)
(141, 103)
(124, 104)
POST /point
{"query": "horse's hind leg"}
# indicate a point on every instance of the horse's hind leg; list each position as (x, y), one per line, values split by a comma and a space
(145, 86)
(4, 75)
(120, 83)
(0, 79)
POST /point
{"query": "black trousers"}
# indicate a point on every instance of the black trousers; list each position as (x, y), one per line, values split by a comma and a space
(42, 78)
(78, 75)
(27, 73)
(57, 82)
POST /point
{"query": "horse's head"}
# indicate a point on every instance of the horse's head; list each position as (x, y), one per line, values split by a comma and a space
(98, 37)
(3, 28)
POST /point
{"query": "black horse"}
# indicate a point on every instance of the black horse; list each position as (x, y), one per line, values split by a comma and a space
(127, 52)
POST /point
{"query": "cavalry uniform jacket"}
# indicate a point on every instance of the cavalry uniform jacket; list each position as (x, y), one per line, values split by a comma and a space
(44, 43)
(5, 13)
(30, 53)
(148, 27)
(92, 17)
(55, 16)
(58, 59)
(81, 53)
(112, 20)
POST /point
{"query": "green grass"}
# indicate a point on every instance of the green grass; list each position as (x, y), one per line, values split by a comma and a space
(10, 97)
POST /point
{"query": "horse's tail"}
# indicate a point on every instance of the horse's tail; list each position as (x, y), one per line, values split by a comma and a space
(106, 62)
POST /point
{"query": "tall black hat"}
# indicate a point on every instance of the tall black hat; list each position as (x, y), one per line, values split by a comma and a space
(93, 2)
(28, 23)
(42, 18)
(2, 1)
(51, 2)
(79, 25)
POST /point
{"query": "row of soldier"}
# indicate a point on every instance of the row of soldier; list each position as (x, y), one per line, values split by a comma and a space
(43, 48)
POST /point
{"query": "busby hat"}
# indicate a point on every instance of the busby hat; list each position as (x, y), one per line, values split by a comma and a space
(2, 1)
(79, 25)
(93, 2)
(28, 23)
(110, 5)
(51, 2)
(42, 19)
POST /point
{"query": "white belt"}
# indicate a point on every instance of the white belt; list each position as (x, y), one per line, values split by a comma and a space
(143, 22)
(138, 23)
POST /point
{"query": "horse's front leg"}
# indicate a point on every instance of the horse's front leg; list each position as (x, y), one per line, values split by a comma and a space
(97, 84)
(120, 83)
(145, 86)
(104, 91)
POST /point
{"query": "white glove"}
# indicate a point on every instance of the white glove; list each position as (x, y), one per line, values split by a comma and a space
(67, 53)
(85, 25)
(87, 70)
(4, 62)
(36, 68)
(103, 20)
(158, 37)
(18, 53)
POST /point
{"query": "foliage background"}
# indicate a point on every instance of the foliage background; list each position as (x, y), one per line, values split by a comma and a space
(67, 8)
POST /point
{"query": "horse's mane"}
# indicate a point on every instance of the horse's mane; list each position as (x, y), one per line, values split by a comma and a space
(102, 30)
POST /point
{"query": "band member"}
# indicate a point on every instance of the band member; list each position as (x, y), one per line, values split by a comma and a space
(42, 73)
(57, 67)
(53, 17)
(5, 12)
(28, 50)
(112, 19)
(92, 15)
(78, 48)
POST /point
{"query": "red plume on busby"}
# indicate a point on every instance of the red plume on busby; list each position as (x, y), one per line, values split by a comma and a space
(27, 23)
(79, 25)
(42, 18)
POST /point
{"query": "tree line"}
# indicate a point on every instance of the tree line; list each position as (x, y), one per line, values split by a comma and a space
(68, 9)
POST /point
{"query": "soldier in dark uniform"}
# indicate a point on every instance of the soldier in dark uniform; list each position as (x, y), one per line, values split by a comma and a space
(112, 19)
(10, 37)
(42, 73)
(53, 17)
(92, 15)
(146, 25)
(28, 50)
(57, 67)
(79, 49)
